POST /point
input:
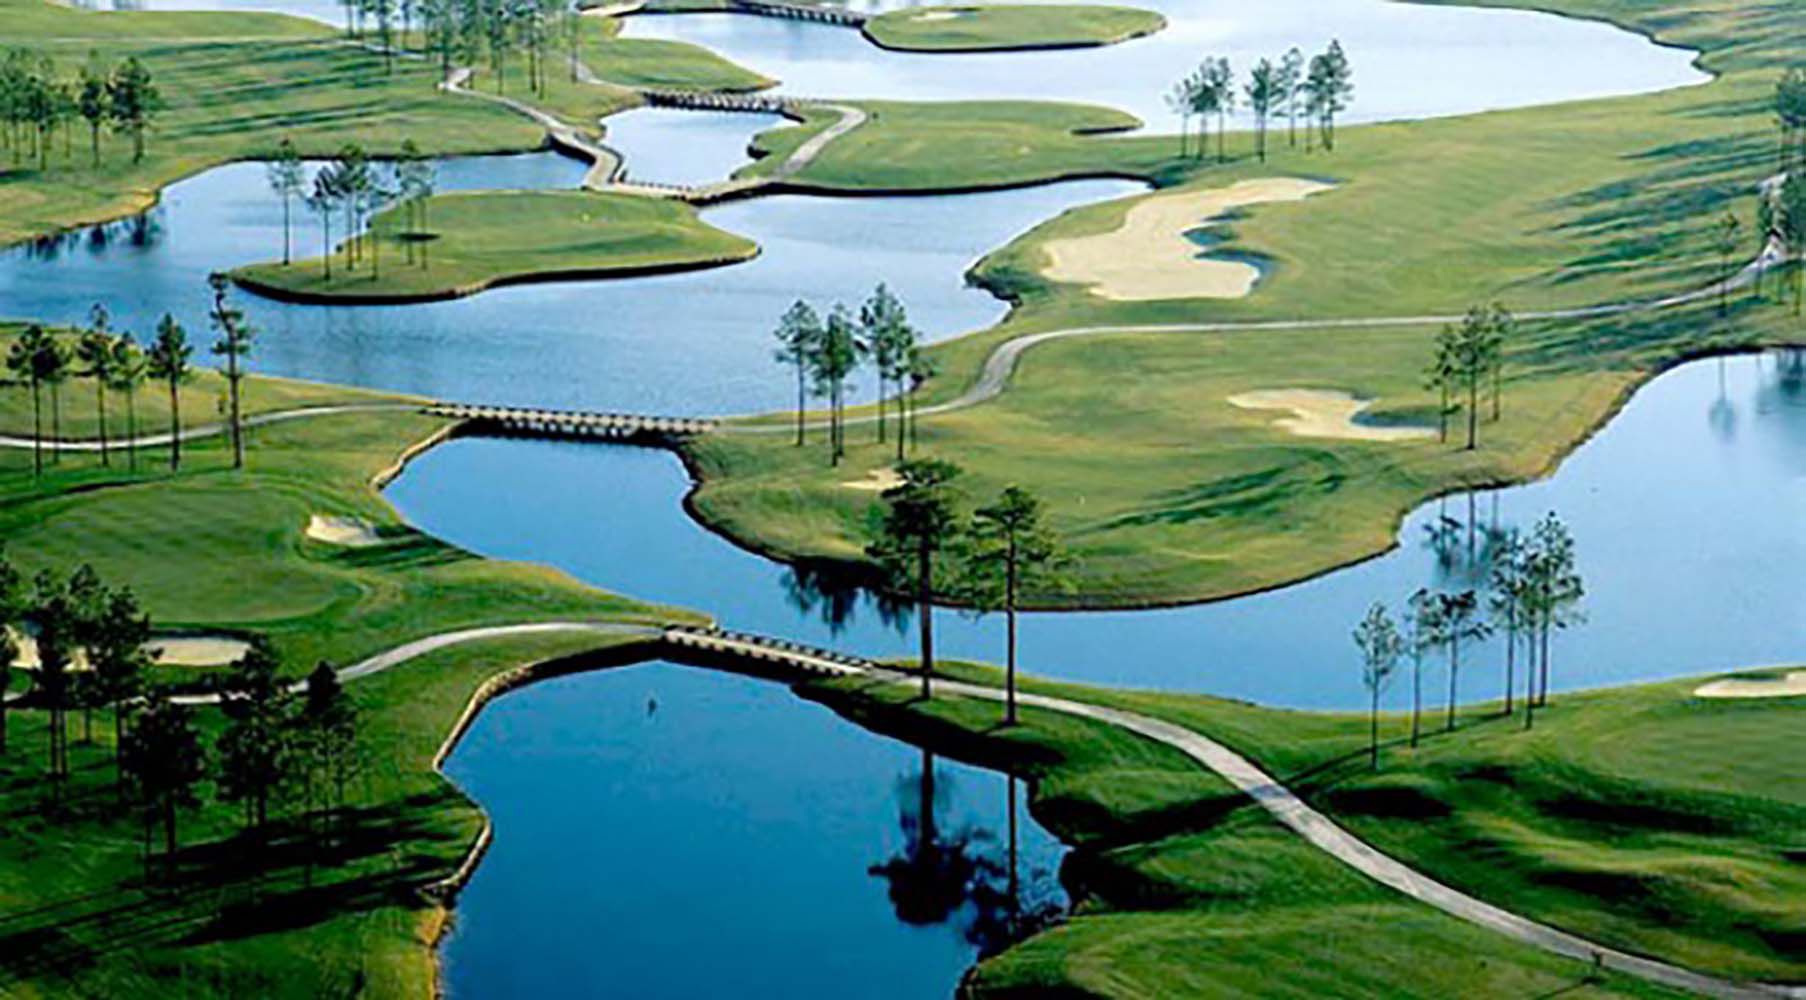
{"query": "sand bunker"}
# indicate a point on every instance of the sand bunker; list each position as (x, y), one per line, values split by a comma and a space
(1149, 256)
(876, 481)
(939, 15)
(1324, 413)
(351, 532)
(169, 651)
(1789, 685)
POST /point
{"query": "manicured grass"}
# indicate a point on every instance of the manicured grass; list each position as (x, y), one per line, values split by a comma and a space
(235, 84)
(660, 64)
(1000, 27)
(201, 400)
(1165, 492)
(1196, 892)
(213, 549)
(967, 144)
(483, 239)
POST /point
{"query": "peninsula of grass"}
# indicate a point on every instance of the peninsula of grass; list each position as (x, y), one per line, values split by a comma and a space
(1008, 27)
(211, 549)
(1641, 817)
(478, 240)
(1168, 493)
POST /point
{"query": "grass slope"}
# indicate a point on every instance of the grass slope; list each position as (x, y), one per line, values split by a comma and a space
(483, 239)
(1004, 27)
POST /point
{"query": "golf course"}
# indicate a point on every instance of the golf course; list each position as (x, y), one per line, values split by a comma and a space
(996, 500)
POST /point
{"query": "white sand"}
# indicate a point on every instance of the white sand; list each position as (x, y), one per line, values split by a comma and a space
(1324, 413)
(876, 481)
(1789, 685)
(1148, 257)
(939, 15)
(351, 532)
(172, 651)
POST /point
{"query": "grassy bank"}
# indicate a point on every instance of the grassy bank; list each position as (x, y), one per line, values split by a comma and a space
(235, 84)
(1167, 492)
(1643, 817)
(81, 922)
(1005, 27)
(480, 240)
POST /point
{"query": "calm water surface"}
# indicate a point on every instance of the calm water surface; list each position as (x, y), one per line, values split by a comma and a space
(682, 343)
(662, 831)
(1689, 510)
(1410, 60)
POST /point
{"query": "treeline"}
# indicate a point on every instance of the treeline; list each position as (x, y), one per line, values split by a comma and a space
(43, 363)
(1470, 361)
(37, 99)
(281, 748)
(1783, 207)
(825, 354)
(491, 32)
(1317, 91)
(352, 187)
(1534, 590)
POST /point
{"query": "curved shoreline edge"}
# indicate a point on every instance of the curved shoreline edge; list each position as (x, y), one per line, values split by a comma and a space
(600, 273)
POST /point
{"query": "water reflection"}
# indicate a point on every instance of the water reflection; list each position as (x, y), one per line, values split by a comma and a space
(1690, 543)
(732, 810)
(964, 877)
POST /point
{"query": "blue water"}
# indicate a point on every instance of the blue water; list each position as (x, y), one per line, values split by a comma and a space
(1689, 510)
(663, 831)
(1410, 60)
(680, 343)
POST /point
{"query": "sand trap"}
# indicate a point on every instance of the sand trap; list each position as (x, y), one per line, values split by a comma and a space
(876, 481)
(170, 651)
(1149, 257)
(351, 532)
(1789, 685)
(939, 15)
(1324, 413)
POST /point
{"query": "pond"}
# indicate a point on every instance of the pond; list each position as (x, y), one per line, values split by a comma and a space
(649, 816)
(1689, 510)
(1410, 60)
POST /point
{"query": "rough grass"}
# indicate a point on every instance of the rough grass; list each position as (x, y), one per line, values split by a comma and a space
(1000, 27)
(478, 240)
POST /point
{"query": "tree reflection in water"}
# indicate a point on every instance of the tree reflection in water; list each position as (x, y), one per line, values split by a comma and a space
(836, 595)
(965, 878)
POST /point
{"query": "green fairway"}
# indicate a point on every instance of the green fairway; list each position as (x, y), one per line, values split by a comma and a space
(235, 84)
(1642, 817)
(1004, 27)
(480, 240)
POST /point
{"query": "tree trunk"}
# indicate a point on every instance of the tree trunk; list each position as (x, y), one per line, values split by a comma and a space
(1373, 729)
(1009, 601)
(1416, 698)
(1454, 682)
(801, 402)
(100, 407)
(1511, 648)
(238, 431)
(37, 428)
(175, 426)
(1473, 409)
(925, 607)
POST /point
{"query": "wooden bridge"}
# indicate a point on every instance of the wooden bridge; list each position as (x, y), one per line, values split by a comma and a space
(697, 100)
(763, 654)
(801, 12)
(570, 424)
